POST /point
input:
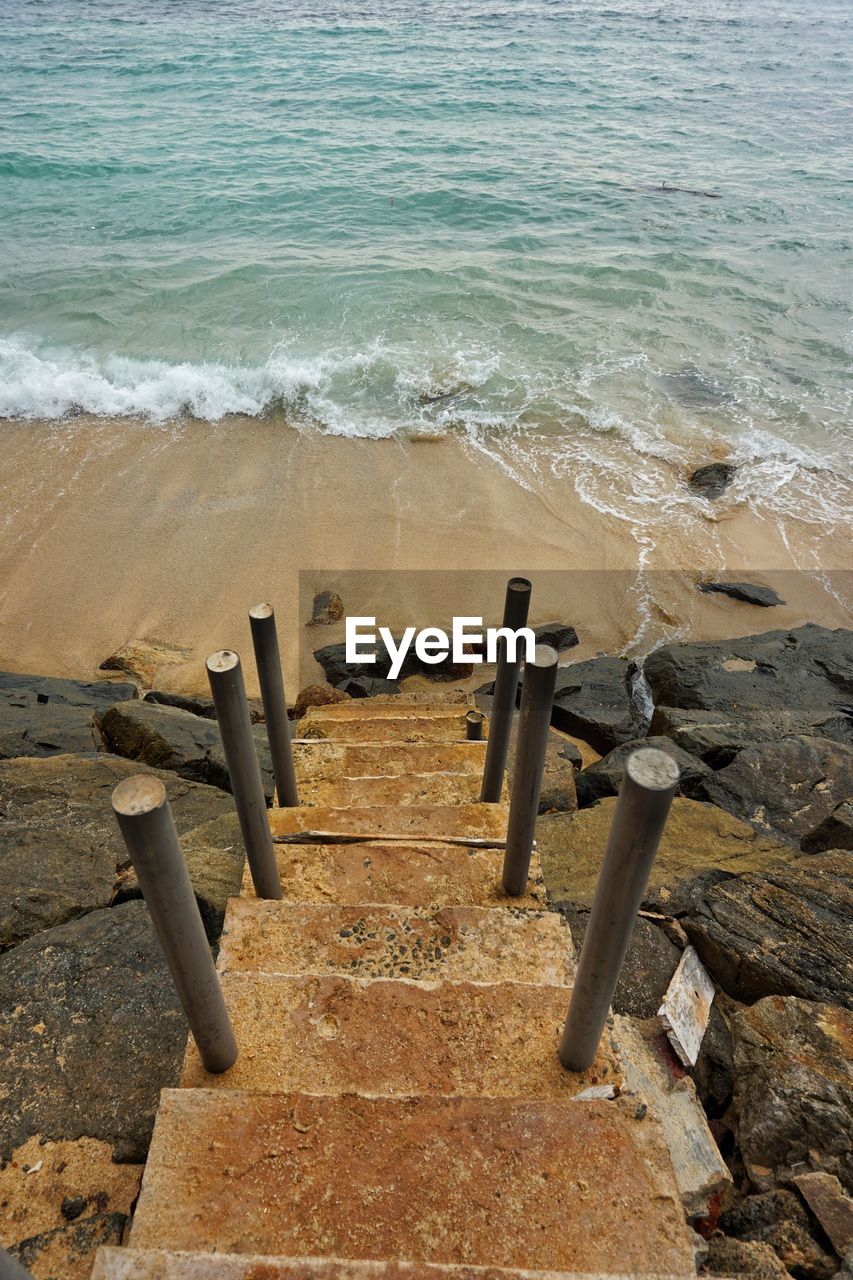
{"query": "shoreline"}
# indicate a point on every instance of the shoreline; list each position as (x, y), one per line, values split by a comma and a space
(176, 530)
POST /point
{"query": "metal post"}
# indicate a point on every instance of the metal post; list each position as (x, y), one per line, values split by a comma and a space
(146, 822)
(645, 796)
(516, 608)
(268, 661)
(474, 726)
(232, 712)
(11, 1269)
(534, 723)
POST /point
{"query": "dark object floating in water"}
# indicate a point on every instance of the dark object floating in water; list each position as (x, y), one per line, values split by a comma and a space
(711, 480)
(441, 395)
(748, 592)
(695, 388)
(666, 189)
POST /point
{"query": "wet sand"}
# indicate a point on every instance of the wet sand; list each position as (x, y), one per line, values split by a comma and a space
(114, 529)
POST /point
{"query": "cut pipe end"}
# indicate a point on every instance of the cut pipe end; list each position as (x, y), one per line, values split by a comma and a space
(653, 769)
(140, 794)
(223, 660)
(523, 586)
(262, 611)
(545, 656)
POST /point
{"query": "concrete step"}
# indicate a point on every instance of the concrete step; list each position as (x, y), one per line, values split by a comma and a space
(395, 1038)
(574, 1186)
(408, 873)
(451, 943)
(365, 721)
(154, 1264)
(387, 822)
(322, 758)
(412, 788)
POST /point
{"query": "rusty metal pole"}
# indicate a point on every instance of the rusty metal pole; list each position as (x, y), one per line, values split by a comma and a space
(534, 723)
(645, 796)
(148, 828)
(232, 713)
(474, 726)
(271, 680)
(516, 609)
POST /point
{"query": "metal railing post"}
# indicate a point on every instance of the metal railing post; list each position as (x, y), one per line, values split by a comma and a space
(271, 680)
(645, 796)
(474, 726)
(232, 712)
(11, 1269)
(145, 818)
(516, 608)
(534, 724)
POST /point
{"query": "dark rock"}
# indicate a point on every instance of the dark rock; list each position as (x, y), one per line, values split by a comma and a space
(559, 635)
(72, 1243)
(717, 736)
(60, 846)
(594, 701)
(605, 776)
(572, 753)
(72, 1207)
(835, 832)
(369, 687)
(199, 705)
(808, 669)
(92, 1031)
(787, 787)
(332, 658)
(794, 1088)
(42, 716)
(649, 964)
(783, 930)
(712, 480)
(751, 1259)
(315, 695)
(713, 1074)
(778, 1218)
(748, 592)
(176, 740)
(327, 607)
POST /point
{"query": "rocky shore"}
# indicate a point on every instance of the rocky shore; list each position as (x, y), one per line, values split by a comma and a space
(754, 871)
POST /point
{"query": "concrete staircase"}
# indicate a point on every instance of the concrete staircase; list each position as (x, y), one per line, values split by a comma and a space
(397, 1111)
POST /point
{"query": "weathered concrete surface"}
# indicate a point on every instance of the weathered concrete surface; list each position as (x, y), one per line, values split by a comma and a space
(91, 1029)
(321, 760)
(215, 858)
(61, 852)
(375, 720)
(429, 875)
(56, 1195)
(786, 788)
(145, 1264)
(408, 822)
(322, 1035)
(451, 1180)
(653, 1074)
(454, 943)
(173, 739)
(697, 837)
(411, 788)
(781, 931)
(794, 1088)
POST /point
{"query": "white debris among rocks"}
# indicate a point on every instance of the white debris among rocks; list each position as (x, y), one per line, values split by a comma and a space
(686, 1007)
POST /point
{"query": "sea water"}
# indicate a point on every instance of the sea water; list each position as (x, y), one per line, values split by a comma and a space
(583, 235)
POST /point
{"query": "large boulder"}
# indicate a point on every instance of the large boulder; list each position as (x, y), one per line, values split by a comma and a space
(698, 837)
(780, 1219)
(604, 778)
(61, 852)
(712, 479)
(717, 736)
(834, 832)
(746, 592)
(142, 658)
(806, 669)
(595, 701)
(787, 787)
(784, 930)
(794, 1088)
(43, 716)
(176, 740)
(200, 704)
(92, 1030)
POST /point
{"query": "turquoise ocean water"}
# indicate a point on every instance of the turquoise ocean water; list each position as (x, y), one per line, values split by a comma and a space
(374, 217)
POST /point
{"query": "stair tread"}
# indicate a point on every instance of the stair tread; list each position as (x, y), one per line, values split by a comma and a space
(396, 1038)
(565, 1186)
(407, 789)
(383, 822)
(365, 941)
(390, 708)
(327, 758)
(155, 1264)
(394, 728)
(405, 873)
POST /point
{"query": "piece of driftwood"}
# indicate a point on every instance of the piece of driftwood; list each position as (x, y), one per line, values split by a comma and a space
(686, 1007)
(384, 837)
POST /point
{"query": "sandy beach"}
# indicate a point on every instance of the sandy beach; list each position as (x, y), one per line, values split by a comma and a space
(116, 529)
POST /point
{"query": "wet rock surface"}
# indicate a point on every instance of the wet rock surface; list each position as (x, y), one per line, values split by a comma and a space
(604, 778)
(92, 1030)
(43, 716)
(746, 592)
(176, 740)
(717, 736)
(794, 1088)
(594, 701)
(711, 480)
(558, 635)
